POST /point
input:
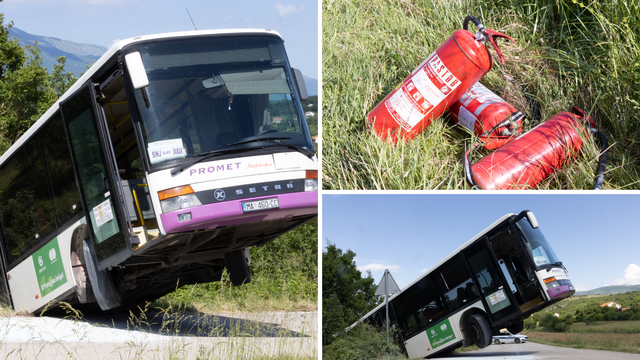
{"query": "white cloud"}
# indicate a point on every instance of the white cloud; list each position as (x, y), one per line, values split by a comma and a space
(631, 276)
(378, 267)
(285, 10)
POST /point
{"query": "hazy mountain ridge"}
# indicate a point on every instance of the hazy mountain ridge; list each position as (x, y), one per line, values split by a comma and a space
(79, 55)
(610, 290)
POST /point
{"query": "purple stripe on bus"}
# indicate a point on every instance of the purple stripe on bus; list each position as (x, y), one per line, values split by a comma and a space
(227, 213)
(562, 291)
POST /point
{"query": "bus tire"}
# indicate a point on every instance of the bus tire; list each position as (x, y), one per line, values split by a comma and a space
(84, 292)
(479, 330)
(497, 342)
(516, 328)
(237, 263)
(103, 289)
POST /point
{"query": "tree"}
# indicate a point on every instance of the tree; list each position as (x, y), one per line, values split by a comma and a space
(346, 295)
(26, 88)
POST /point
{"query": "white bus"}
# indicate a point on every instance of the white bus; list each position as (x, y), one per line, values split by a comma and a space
(495, 280)
(159, 167)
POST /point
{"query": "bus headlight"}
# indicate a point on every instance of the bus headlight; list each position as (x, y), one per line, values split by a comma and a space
(311, 180)
(182, 197)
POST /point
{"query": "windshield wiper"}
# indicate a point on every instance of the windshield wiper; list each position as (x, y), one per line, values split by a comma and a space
(202, 157)
(278, 141)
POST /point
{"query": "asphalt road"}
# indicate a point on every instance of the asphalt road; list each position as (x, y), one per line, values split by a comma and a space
(154, 336)
(533, 351)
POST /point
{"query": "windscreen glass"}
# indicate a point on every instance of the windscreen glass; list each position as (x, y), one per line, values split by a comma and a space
(207, 94)
(537, 244)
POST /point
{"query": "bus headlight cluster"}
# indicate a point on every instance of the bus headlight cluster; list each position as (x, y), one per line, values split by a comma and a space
(182, 197)
(311, 180)
(552, 282)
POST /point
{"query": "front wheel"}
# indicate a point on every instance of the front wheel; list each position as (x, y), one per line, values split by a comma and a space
(497, 342)
(479, 330)
(517, 341)
(237, 263)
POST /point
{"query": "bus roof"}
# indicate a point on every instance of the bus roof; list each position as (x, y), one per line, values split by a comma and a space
(104, 59)
(456, 251)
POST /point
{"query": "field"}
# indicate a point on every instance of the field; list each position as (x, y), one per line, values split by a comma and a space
(582, 53)
(622, 336)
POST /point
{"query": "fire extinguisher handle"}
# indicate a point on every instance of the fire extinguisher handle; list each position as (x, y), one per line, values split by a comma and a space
(493, 35)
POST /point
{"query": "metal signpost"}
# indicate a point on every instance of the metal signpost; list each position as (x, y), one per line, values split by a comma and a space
(387, 286)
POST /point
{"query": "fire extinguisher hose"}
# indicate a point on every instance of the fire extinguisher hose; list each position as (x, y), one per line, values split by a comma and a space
(602, 162)
(534, 107)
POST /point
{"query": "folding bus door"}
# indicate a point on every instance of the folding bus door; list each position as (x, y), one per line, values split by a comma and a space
(494, 289)
(100, 184)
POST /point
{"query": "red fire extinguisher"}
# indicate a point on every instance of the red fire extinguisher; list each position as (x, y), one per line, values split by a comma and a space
(526, 161)
(480, 110)
(436, 84)
(488, 116)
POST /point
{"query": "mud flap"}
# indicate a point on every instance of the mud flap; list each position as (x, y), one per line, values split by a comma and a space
(101, 283)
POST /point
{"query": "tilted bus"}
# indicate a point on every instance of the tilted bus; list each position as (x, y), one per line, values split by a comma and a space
(159, 167)
(495, 280)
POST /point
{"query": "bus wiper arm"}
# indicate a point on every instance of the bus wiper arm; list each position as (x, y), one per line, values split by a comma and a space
(202, 157)
(278, 140)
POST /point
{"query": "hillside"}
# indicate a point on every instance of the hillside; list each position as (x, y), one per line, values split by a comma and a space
(583, 303)
(78, 55)
(610, 290)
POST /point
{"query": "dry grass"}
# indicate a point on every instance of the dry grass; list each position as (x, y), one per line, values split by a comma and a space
(629, 343)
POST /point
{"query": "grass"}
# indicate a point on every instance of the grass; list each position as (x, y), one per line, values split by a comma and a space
(621, 336)
(567, 53)
(145, 334)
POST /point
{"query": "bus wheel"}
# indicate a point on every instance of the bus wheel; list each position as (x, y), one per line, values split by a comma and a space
(516, 328)
(79, 266)
(237, 264)
(497, 342)
(479, 330)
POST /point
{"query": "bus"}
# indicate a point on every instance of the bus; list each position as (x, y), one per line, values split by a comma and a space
(495, 280)
(160, 167)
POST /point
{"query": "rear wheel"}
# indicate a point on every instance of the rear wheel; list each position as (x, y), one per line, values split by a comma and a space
(479, 330)
(237, 264)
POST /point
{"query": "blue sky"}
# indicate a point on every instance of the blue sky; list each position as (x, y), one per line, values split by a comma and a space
(103, 22)
(595, 235)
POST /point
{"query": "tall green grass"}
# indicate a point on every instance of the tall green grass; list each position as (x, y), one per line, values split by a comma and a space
(568, 53)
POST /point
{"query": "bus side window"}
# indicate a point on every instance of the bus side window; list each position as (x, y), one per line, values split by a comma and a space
(419, 307)
(456, 283)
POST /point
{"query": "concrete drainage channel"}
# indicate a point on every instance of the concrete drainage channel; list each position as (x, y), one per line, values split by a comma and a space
(161, 336)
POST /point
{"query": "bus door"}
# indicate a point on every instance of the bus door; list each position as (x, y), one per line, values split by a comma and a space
(100, 185)
(517, 269)
(494, 288)
(4, 289)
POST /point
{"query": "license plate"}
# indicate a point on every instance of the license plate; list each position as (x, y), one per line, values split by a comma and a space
(260, 205)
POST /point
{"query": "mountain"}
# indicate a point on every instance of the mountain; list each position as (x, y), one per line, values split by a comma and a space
(609, 290)
(312, 85)
(80, 55)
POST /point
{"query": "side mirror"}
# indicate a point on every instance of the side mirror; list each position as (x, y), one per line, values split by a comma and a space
(136, 70)
(532, 220)
(302, 88)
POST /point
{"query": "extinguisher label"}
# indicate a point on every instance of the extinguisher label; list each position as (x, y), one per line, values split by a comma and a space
(482, 95)
(466, 118)
(421, 93)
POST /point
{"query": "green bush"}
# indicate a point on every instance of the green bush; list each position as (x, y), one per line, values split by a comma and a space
(529, 324)
(362, 342)
(553, 323)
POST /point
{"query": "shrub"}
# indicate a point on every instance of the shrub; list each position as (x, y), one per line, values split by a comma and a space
(362, 342)
(529, 324)
(553, 323)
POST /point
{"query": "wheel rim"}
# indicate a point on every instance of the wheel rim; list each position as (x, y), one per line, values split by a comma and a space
(475, 333)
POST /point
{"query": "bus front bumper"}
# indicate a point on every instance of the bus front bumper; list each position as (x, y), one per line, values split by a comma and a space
(227, 213)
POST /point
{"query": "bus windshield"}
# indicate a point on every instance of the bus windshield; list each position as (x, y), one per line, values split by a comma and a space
(209, 94)
(537, 245)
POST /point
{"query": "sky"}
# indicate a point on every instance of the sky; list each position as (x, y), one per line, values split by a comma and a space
(594, 235)
(104, 22)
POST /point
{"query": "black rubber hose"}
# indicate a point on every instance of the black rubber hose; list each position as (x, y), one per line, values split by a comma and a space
(602, 162)
(473, 19)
